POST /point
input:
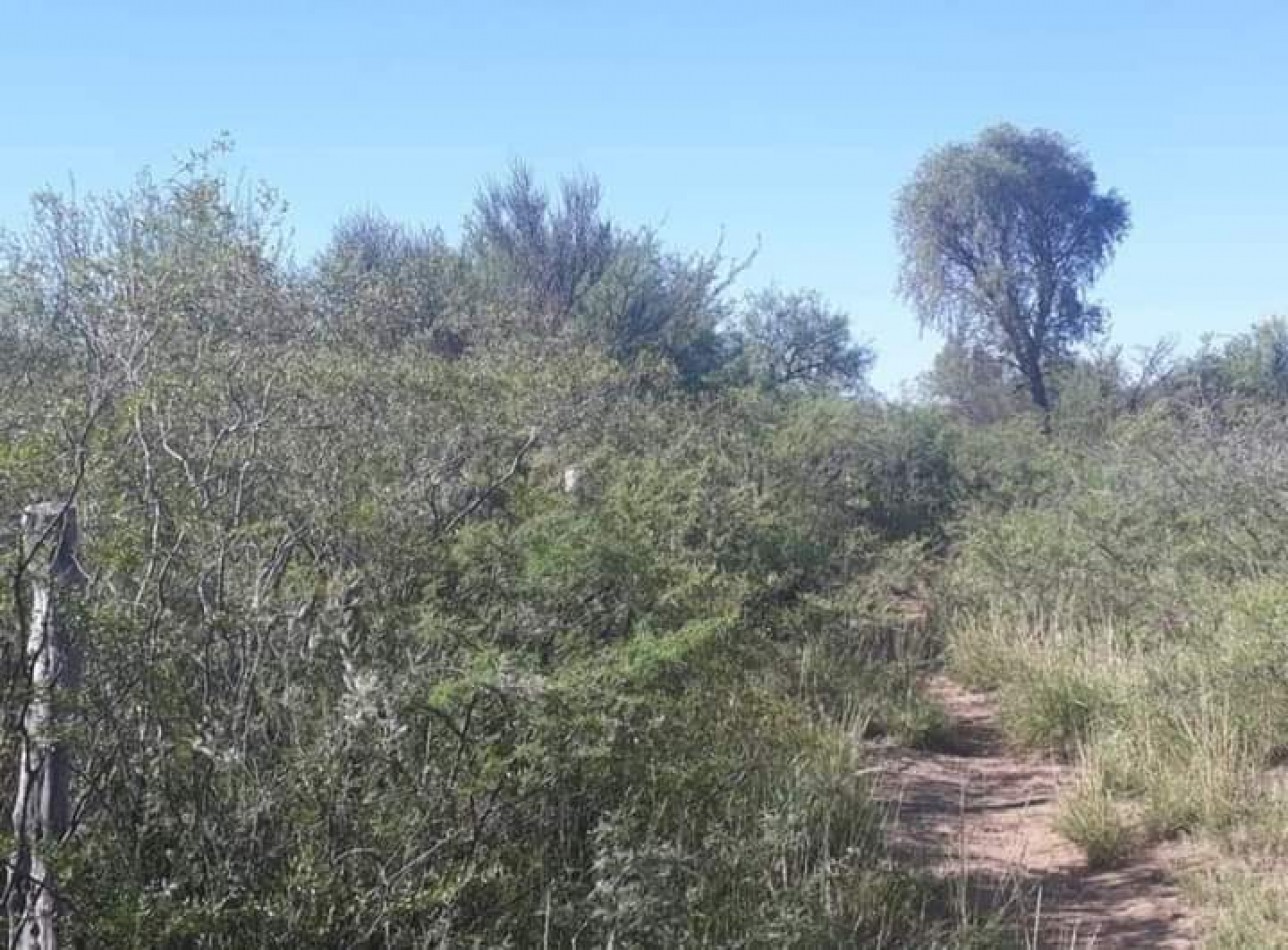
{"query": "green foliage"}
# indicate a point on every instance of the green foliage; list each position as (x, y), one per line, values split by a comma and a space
(794, 340)
(1001, 238)
(974, 384)
(1246, 906)
(363, 666)
(545, 253)
(1093, 820)
(560, 270)
(1249, 367)
(381, 284)
(1055, 710)
(1122, 584)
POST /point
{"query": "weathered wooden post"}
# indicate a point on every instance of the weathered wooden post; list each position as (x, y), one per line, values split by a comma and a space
(41, 807)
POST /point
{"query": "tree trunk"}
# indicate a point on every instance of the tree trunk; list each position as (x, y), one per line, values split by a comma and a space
(41, 806)
(1038, 390)
(1031, 366)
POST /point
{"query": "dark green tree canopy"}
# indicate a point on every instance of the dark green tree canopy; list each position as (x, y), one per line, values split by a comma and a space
(795, 340)
(1001, 239)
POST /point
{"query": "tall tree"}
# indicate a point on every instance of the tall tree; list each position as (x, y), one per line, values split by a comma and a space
(1001, 240)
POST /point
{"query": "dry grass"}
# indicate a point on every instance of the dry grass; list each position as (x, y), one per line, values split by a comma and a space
(1096, 821)
(1170, 739)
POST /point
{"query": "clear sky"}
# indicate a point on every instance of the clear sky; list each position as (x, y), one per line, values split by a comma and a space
(789, 122)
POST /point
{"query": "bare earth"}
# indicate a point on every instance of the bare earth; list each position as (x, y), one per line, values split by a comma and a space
(983, 817)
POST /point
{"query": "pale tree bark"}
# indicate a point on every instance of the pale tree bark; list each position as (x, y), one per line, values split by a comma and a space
(41, 805)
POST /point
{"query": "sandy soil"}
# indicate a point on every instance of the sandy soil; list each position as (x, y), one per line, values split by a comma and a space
(984, 817)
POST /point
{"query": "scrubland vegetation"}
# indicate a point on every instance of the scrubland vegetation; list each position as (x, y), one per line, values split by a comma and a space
(1130, 609)
(545, 588)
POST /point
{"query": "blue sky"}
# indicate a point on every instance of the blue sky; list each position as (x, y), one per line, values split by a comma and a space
(791, 124)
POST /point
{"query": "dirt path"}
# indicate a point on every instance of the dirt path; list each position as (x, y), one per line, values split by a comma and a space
(983, 817)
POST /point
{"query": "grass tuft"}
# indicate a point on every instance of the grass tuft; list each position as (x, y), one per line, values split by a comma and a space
(1091, 818)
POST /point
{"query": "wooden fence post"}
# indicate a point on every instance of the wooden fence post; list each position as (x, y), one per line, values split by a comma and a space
(41, 806)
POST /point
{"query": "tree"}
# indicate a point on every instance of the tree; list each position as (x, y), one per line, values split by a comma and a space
(974, 384)
(1250, 366)
(1001, 240)
(651, 300)
(796, 340)
(548, 253)
(557, 267)
(380, 283)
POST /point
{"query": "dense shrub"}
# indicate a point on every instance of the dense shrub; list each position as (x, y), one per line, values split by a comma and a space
(1127, 600)
(460, 595)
